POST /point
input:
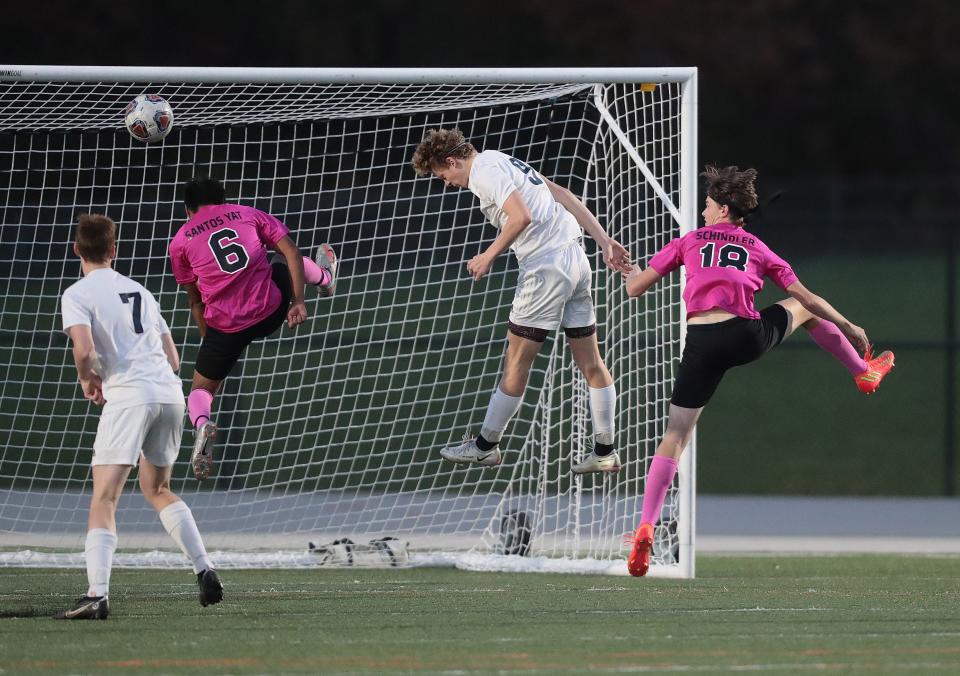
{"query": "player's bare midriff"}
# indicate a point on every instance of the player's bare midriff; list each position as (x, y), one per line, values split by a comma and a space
(709, 317)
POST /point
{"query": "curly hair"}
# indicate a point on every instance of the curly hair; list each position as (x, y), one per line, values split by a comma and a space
(436, 146)
(732, 187)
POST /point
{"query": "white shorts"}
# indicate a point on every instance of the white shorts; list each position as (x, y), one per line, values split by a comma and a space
(151, 429)
(554, 290)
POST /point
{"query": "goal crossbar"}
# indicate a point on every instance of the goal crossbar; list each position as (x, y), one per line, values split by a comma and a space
(343, 75)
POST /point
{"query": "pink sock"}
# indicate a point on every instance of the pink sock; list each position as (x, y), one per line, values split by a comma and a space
(659, 480)
(829, 337)
(198, 406)
(313, 273)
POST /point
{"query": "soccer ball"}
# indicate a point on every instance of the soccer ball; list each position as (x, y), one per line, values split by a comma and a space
(149, 118)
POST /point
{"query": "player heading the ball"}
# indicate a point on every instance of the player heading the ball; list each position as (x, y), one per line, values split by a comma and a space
(541, 221)
(236, 296)
(725, 266)
(126, 362)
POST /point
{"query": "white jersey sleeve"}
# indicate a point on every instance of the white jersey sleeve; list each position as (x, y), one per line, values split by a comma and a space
(492, 185)
(73, 311)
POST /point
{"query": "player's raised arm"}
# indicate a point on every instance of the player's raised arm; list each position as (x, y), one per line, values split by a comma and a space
(615, 255)
(637, 281)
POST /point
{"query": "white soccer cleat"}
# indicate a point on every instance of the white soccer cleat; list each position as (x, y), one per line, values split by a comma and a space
(326, 258)
(598, 463)
(467, 452)
(202, 456)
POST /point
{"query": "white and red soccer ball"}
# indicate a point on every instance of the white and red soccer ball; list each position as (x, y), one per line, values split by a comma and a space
(149, 118)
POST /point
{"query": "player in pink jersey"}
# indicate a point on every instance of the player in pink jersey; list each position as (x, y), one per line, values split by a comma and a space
(236, 296)
(725, 266)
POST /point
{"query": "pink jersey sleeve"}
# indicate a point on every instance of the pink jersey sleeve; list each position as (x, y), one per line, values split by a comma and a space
(669, 258)
(778, 269)
(182, 271)
(269, 228)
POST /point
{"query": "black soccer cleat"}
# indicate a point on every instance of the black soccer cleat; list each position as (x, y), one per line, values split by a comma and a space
(211, 589)
(87, 608)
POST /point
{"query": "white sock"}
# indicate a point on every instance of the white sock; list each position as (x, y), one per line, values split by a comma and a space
(99, 549)
(603, 407)
(178, 520)
(501, 408)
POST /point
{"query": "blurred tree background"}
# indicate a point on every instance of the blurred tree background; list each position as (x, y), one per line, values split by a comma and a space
(792, 86)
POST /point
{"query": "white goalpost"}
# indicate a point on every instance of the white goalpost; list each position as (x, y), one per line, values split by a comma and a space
(332, 432)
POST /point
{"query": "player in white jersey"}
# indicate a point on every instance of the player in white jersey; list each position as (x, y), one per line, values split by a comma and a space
(126, 362)
(543, 223)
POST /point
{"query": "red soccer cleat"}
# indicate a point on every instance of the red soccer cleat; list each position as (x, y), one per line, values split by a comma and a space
(869, 380)
(638, 562)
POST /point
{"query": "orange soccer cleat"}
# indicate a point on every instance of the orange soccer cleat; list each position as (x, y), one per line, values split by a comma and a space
(869, 380)
(638, 562)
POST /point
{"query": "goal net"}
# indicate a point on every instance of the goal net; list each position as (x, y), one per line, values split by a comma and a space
(332, 431)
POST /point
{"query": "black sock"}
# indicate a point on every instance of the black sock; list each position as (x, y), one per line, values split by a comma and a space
(485, 445)
(602, 449)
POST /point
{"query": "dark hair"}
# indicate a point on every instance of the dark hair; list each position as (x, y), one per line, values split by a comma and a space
(95, 236)
(200, 191)
(734, 188)
(436, 146)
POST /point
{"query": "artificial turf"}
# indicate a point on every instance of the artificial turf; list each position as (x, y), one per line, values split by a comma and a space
(782, 614)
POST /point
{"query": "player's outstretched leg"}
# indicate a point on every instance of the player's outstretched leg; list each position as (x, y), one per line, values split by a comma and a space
(867, 371)
(211, 589)
(467, 452)
(326, 260)
(87, 608)
(877, 369)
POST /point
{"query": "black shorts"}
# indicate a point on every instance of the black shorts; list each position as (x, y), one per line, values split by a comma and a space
(712, 349)
(219, 351)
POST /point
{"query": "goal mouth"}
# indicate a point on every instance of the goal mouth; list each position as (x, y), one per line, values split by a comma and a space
(333, 431)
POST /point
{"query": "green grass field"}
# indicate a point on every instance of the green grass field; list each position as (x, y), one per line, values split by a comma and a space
(843, 614)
